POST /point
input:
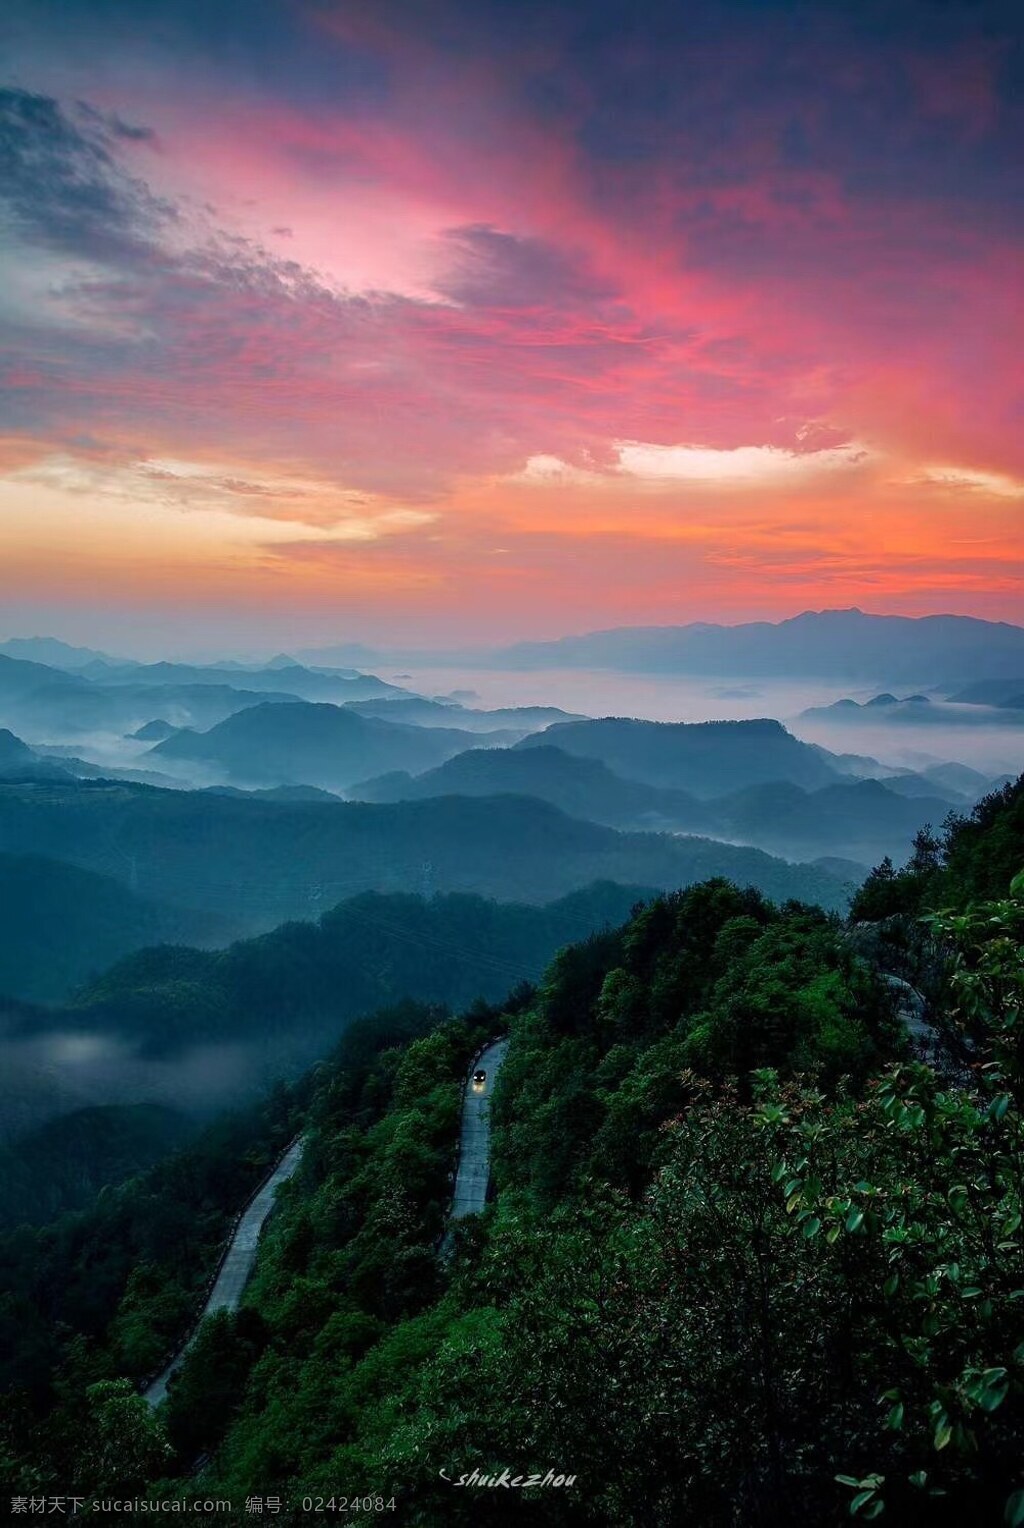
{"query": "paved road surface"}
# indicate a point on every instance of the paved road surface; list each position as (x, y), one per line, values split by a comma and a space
(475, 1141)
(234, 1272)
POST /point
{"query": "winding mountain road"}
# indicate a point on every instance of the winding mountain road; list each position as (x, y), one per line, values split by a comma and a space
(469, 1198)
(237, 1263)
(474, 1169)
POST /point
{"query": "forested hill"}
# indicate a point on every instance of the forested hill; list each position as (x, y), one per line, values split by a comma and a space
(296, 988)
(208, 1029)
(747, 1261)
(707, 758)
(260, 861)
(969, 859)
(62, 924)
(66, 1163)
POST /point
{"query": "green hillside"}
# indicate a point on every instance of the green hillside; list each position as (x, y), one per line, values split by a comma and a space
(66, 1162)
(62, 925)
(293, 990)
(262, 861)
(707, 758)
(747, 1260)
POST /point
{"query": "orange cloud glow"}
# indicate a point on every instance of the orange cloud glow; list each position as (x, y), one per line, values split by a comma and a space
(433, 330)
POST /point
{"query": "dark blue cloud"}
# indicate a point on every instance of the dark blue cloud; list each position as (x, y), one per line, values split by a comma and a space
(109, 123)
(712, 88)
(924, 98)
(273, 46)
(498, 270)
(62, 187)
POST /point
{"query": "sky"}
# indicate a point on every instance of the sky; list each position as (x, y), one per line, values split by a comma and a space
(470, 320)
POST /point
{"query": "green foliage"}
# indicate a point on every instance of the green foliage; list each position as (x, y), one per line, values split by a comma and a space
(209, 1387)
(757, 1297)
(748, 1263)
(345, 1274)
(109, 1292)
(122, 1445)
(711, 978)
(61, 924)
(972, 858)
(796, 997)
(296, 988)
(64, 1164)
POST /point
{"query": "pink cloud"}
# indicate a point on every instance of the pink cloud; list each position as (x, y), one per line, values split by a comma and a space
(468, 285)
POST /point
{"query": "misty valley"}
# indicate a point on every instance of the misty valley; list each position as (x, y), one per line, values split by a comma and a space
(512, 763)
(258, 903)
(248, 821)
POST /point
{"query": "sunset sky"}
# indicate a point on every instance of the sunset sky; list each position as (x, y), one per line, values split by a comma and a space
(465, 320)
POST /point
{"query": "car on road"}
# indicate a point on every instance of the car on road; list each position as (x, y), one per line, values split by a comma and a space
(479, 1080)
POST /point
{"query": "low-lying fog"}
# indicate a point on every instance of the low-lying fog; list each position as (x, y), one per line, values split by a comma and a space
(995, 748)
(48, 1074)
(51, 1073)
(992, 749)
(600, 692)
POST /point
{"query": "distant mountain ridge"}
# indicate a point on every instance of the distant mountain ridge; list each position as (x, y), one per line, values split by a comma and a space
(580, 786)
(55, 653)
(46, 702)
(20, 762)
(859, 819)
(14, 754)
(862, 820)
(422, 712)
(917, 711)
(62, 924)
(289, 678)
(261, 861)
(707, 758)
(991, 692)
(826, 644)
(306, 743)
(948, 651)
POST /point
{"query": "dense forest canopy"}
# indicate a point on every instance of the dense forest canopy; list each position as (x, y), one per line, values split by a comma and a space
(258, 860)
(749, 1259)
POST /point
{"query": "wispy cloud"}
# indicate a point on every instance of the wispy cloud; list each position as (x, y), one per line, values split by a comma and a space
(448, 286)
(999, 485)
(63, 186)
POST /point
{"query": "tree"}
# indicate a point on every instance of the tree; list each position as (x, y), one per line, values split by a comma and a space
(209, 1386)
(123, 1444)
